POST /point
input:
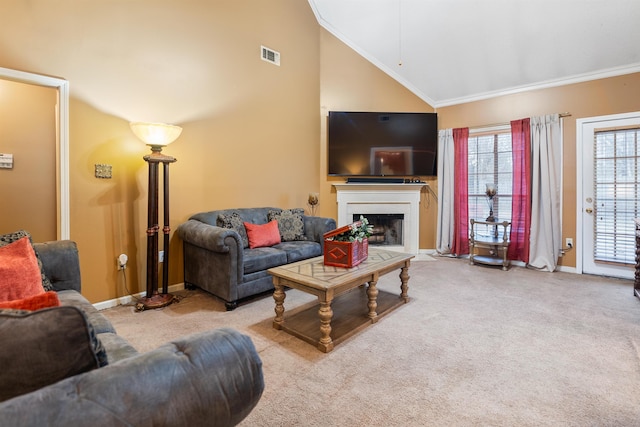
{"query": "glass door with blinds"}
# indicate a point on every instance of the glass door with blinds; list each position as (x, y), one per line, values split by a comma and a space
(610, 195)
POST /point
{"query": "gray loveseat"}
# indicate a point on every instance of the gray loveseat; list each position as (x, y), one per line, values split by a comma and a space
(218, 259)
(209, 378)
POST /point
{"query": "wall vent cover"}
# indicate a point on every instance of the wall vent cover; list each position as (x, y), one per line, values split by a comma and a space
(270, 55)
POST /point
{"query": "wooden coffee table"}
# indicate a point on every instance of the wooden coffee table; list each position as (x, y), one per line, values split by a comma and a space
(348, 299)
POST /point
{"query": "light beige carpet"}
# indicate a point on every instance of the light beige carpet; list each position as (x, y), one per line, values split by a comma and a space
(476, 346)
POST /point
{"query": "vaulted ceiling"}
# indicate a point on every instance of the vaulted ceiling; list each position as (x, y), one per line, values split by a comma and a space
(454, 51)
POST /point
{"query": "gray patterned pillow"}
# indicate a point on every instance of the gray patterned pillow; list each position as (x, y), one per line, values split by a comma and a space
(290, 223)
(6, 239)
(234, 221)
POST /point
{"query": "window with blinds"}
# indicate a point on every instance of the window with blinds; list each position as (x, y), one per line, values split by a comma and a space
(490, 162)
(616, 192)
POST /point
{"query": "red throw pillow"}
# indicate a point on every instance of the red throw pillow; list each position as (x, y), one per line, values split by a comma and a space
(36, 302)
(261, 235)
(19, 271)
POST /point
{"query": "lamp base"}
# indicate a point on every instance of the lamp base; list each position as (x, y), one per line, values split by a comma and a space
(491, 218)
(154, 301)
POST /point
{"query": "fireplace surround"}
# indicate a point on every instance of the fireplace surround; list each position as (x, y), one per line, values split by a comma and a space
(386, 229)
(392, 202)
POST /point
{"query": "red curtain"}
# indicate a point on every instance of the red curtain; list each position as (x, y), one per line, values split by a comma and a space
(521, 202)
(460, 244)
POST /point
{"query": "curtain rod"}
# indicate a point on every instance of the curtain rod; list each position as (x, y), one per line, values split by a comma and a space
(494, 125)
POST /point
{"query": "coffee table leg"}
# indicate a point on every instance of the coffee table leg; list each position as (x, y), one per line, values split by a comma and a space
(326, 313)
(404, 278)
(372, 293)
(278, 296)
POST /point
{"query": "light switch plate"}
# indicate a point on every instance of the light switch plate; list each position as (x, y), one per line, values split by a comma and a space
(6, 161)
(103, 171)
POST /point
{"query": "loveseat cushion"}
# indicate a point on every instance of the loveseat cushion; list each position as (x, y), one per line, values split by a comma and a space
(117, 348)
(99, 322)
(259, 259)
(61, 262)
(45, 346)
(297, 251)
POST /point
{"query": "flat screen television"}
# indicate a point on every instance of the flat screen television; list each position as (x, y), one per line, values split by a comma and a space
(382, 144)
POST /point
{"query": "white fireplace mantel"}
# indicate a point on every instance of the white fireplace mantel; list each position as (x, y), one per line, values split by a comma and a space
(383, 198)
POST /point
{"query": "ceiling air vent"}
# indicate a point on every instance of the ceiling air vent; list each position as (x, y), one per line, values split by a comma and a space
(270, 55)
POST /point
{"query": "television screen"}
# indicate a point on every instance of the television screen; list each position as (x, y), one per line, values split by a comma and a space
(382, 144)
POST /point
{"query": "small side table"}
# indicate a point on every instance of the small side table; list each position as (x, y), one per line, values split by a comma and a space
(491, 235)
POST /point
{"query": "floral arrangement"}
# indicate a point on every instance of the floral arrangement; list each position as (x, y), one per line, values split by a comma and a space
(358, 231)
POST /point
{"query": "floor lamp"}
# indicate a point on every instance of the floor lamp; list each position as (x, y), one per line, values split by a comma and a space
(156, 135)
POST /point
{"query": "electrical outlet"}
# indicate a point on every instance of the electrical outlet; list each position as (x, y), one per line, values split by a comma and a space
(569, 242)
(122, 261)
(161, 256)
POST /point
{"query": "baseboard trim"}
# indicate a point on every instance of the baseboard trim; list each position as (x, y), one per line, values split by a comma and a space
(566, 269)
(434, 254)
(129, 298)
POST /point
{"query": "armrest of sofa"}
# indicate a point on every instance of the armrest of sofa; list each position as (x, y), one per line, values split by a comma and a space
(210, 378)
(213, 258)
(208, 236)
(61, 263)
(315, 227)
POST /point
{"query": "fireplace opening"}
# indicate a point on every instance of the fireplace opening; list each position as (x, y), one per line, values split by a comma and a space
(387, 228)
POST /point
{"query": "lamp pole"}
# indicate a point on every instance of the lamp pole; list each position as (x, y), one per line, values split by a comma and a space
(154, 299)
(156, 135)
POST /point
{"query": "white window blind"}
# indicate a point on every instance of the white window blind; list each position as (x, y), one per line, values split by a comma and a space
(490, 162)
(616, 192)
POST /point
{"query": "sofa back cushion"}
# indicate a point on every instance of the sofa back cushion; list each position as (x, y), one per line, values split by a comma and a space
(252, 215)
(43, 347)
(234, 219)
(61, 263)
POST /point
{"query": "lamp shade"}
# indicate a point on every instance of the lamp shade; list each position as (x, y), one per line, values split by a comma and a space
(156, 134)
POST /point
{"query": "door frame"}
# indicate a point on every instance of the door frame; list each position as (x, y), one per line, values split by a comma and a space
(582, 130)
(62, 151)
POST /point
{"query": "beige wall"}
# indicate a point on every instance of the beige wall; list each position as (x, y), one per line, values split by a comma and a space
(250, 128)
(254, 134)
(27, 130)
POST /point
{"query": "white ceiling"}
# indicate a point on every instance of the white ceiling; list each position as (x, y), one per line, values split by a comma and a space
(453, 51)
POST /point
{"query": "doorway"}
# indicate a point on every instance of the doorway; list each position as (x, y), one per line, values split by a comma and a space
(608, 193)
(62, 138)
